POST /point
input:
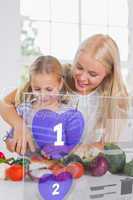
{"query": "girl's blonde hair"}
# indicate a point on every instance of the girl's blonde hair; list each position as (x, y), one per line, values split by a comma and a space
(48, 64)
(112, 110)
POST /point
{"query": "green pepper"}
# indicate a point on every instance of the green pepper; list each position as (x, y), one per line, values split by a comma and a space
(2, 160)
(8, 161)
(128, 168)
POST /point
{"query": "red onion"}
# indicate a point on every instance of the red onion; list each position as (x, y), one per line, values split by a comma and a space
(98, 166)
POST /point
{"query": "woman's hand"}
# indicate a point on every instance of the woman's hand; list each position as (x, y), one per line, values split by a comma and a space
(22, 139)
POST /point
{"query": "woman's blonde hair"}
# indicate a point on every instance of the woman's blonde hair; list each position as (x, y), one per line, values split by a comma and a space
(112, 110)
(48, 64)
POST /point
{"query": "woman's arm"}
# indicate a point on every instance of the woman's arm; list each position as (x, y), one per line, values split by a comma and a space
(22, 137)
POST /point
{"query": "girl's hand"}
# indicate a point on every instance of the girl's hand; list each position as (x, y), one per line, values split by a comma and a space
(10, 144)
(22, 140)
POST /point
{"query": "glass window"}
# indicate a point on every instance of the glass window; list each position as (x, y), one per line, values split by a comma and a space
(118, 12)
(61, 34)
(43, 36)
(35, 9)
(88, 30)
(94, 12)
(120, 35)
(58, 26)
(64, 11)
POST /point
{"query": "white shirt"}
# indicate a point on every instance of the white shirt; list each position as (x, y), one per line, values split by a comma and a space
(88, 106)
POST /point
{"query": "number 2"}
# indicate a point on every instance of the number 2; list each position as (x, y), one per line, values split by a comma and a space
(58, 129)
(56, 187)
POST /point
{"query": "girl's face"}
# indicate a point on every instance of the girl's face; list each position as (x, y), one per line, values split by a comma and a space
(45, 86)
(88, 73)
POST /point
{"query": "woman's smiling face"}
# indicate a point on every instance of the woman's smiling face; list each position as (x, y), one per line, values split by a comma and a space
(88, 73)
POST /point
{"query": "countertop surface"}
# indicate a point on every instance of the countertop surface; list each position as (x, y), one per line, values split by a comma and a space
(85, 188)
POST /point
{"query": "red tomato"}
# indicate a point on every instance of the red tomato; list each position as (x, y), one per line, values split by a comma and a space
(57, 168)
(76, 169)
(2, 155)
(15, 172)
(59, 171)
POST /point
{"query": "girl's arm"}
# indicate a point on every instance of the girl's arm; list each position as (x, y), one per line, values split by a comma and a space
(8, 111)
(22, 137)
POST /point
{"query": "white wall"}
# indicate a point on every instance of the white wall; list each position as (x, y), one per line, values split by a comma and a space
(9, 50)
(9, 43)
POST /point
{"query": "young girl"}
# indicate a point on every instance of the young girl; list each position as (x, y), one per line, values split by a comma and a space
(45, 94)
(95, 76)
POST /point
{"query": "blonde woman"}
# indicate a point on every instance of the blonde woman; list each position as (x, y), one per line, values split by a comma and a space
(94, 76)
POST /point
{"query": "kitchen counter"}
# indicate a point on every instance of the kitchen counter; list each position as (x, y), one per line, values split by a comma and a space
(107, 187)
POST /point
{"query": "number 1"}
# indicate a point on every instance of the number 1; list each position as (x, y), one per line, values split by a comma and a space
(58, 129)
